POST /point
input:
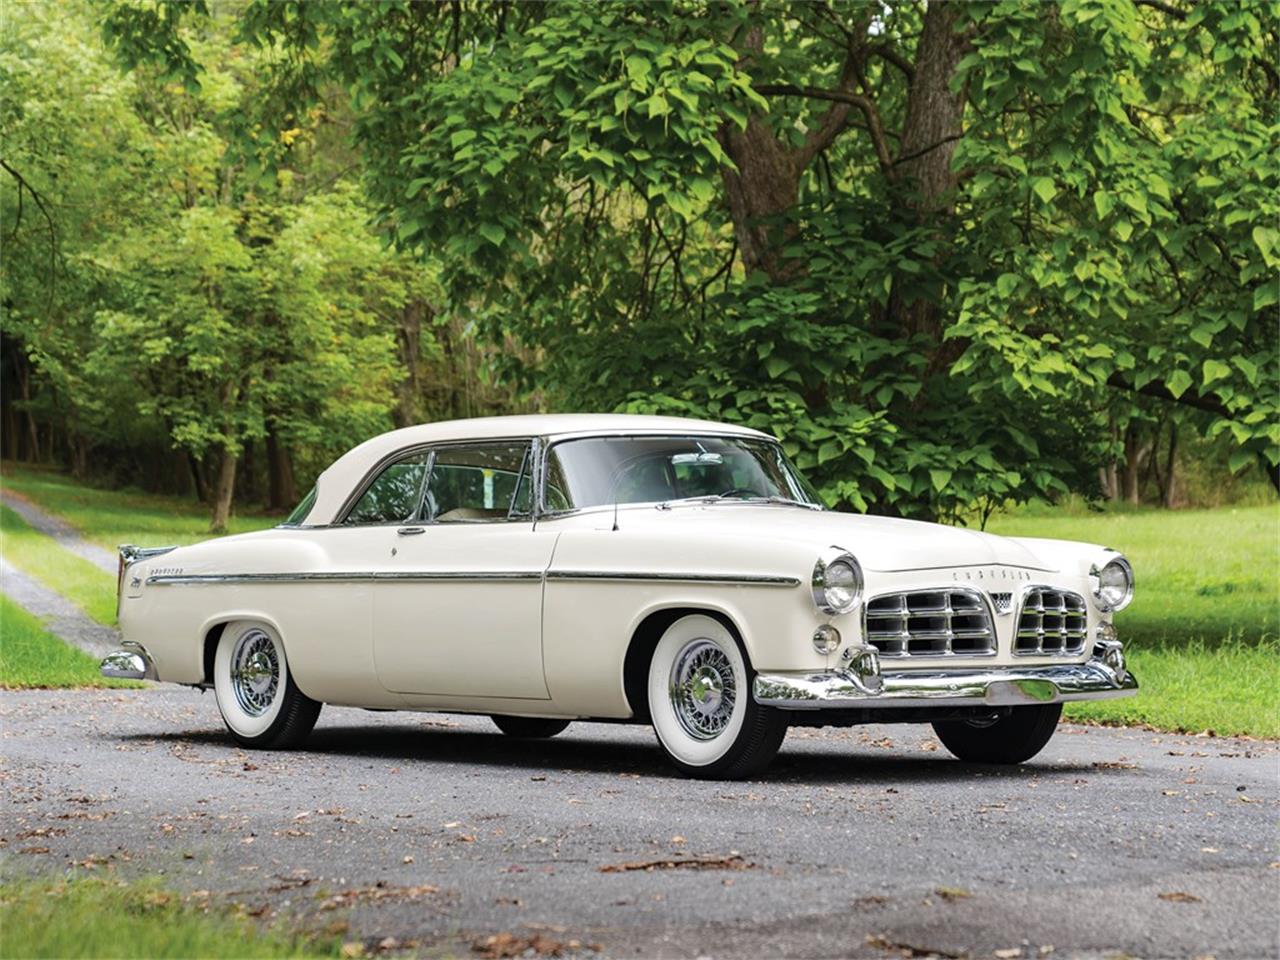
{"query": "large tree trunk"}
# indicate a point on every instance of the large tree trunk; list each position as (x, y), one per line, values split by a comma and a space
(224, 492)
(930, 132)
(762, 193)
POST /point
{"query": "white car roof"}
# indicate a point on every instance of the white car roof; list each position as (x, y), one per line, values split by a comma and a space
(336, 482)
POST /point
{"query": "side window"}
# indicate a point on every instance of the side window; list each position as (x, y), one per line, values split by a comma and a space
(393, 496)
(478, 482)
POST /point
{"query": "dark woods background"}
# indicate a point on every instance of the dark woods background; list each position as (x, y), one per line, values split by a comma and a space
(954, 255)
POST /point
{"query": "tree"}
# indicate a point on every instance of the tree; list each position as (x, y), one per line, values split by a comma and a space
(911, 239)
(167, 287)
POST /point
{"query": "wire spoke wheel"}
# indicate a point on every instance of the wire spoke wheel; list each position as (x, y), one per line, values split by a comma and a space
(255, 672)
(703, 689)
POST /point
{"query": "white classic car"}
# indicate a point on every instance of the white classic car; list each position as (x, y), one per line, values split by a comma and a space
(675, 572)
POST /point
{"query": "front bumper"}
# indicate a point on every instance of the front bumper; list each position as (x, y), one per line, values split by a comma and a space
(996, 687)
(131, 663)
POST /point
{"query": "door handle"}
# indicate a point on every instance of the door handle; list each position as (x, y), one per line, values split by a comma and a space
(411, 531)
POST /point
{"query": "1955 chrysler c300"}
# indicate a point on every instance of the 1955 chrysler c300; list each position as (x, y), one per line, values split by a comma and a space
(675, 572)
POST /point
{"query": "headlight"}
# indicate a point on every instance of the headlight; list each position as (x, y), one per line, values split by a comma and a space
(1112, 584)
(837, 582)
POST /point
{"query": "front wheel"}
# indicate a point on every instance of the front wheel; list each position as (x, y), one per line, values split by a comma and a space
(260, 704)
(701, 705)
(528, 728)
(1014, 738)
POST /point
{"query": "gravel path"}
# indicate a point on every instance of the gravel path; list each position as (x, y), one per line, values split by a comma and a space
(869, 842)
(66, 535)
(62, 617)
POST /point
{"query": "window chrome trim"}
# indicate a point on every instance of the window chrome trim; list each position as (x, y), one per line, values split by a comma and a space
(431, 449)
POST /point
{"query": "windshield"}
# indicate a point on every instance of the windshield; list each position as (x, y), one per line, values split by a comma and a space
(601, 471)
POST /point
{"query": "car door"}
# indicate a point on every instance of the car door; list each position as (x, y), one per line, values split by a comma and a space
(458, 610)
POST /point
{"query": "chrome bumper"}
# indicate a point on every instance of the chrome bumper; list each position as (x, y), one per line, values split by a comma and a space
(131, 663)
(1012, 686)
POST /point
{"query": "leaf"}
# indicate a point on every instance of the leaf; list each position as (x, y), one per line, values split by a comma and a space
(493, 232)
(1103, 204)
(940, 479)
(1178, 383)
(1215, 370)
(461, 137)
(1007, 283)
(1044, 188)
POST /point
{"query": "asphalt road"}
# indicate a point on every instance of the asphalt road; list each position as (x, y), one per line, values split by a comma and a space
(437, 831)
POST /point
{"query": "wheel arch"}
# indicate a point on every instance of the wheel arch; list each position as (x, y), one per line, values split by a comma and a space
(644, 639)
(211, 632)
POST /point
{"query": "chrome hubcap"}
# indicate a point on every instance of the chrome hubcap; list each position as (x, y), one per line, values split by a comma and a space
(702, 689)
(255, 672)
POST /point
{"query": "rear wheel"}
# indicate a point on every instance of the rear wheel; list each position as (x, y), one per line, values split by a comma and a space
(529, 728)
(260, 704)
(1014, 738)
(701, 705)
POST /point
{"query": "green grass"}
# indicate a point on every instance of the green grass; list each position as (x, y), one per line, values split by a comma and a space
(39, 555)
(1230, 688)
(30, 656)
(112, 517)
(1207, 575)
(92, 917)
(1201, 633)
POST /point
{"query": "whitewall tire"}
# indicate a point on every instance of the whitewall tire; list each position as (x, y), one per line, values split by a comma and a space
(701, 706)
(259, 702)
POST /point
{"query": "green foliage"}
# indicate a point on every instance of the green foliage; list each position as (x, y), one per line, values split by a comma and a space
(952, 255)
(195, 298)
(30, 656)
(1111, 226)
(1125, 176)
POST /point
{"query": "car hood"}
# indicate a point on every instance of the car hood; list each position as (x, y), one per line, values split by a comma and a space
(883, 544)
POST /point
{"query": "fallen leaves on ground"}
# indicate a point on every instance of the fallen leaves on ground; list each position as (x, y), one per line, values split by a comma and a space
(378, 892)
(732, 862)
(881, 942)
(504, 945)
(1179, 896)
(951, 894)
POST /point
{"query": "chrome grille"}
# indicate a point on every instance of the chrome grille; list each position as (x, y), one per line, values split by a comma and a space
(1052, 623)
(930, 623)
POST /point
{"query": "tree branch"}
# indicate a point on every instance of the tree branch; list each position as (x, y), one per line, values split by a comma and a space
(888, 54)
(874, 126)
(929, 149)
(1160, 391)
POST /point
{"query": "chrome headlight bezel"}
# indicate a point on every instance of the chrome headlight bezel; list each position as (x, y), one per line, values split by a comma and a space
(822, 598)
(1095, 584)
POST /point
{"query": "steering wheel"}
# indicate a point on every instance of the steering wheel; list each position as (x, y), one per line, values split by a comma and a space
(740, 491)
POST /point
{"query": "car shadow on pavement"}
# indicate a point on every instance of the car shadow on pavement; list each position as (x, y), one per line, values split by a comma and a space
(581, 753)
